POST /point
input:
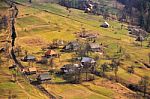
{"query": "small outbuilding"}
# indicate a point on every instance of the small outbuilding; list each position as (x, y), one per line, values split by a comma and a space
(94, 47)
(29, 58)
(30, 70)
(51, 53)
(140, 38)
(87, 61)
(105, 25)
(88, 35)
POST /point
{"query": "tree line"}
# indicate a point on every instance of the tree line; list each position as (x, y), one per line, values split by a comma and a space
(139, 9)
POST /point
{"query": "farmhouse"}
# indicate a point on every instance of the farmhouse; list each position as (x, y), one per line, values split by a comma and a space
(70, 68)
(71, 46)
(43, 77)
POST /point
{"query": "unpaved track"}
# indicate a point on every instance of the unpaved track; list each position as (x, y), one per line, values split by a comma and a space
(39, 87)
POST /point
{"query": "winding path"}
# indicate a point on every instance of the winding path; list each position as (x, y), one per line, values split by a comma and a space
(12, 53)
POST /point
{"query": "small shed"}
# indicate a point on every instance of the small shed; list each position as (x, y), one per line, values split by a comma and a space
(92, 36)
(43, 77)
(94, 47)
(87, 10)
(44, 60)
(105, 25)
(32, 70)
(88, 35)
(87, 61)
(29, 58)
(140, 38)
(50, 53)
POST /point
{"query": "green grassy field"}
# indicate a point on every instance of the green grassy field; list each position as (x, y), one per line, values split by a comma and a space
(60, 26)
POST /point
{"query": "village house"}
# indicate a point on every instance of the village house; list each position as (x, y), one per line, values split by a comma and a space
(71, 46)
(43, 77)
(56, 44)
(51, 53)
(70, 68)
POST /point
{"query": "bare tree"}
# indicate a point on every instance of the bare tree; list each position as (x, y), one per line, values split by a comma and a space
(51, 62)
(26, 52)
(18, 50)
(148, 44)
(77, 74)
(149, 57)
(116, 64)
(144, 83)
(0, 60)
(10, 94)
(86, 67)
(104, 68)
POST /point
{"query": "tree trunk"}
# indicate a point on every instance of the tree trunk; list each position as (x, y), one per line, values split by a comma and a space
(86, 75)
(141, 43)
(145, 88)
(116, 78)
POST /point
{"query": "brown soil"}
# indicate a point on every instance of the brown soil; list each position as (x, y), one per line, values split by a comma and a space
(33, 41)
